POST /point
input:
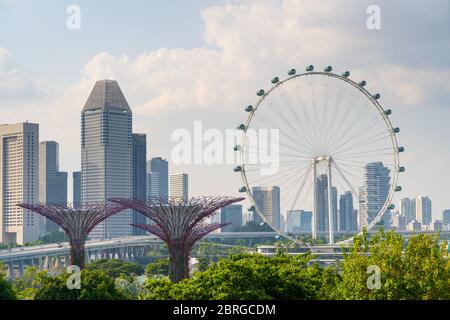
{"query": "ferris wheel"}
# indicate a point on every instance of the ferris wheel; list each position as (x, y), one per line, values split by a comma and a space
(319, 143)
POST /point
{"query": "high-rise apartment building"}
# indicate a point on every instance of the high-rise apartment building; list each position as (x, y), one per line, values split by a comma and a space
(157, 178)
(408, 209)
(321, 198)
(347, 217)
(231, 214)
(139, 173)
(76, 189)
(446, 217)
(179, 186)
(267, 201)
(52, 182)
(19, 182)
(423, 210)
(374, 192)
(106, 155)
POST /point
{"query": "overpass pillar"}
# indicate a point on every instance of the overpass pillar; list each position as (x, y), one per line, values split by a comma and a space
(11, 272)
(21, 268)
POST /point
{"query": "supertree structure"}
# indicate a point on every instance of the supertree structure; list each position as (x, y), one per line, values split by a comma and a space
(76, 222)
(180, 223)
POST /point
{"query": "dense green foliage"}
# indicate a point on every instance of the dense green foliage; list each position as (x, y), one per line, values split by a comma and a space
(415, 269)
(95, 285)
(418, 270)
(115, 268)
(249, 276)
(6, 291)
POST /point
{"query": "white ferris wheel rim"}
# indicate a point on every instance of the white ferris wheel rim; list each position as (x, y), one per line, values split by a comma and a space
(373, 102)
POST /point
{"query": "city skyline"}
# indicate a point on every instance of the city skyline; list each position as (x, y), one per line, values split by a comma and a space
(414, 87)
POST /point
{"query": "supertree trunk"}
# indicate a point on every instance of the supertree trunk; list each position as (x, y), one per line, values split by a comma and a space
(77, 253)
(179, 261)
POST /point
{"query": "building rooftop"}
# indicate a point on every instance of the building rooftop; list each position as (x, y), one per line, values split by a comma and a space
(106, 94)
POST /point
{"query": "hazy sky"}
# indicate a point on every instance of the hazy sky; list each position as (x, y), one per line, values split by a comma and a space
(181, 61)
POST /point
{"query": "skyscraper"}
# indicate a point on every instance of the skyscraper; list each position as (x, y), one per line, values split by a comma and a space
(19, 182)
(408, 209)
(423, 210)
(231, 214)
(347, 217)
(374, 192)
(267, 200)
(322, 204)
(179, 186)
(157, 178)
(52, 182)
(106, 154)
(139, 177)
(76, 188)
(446, 217)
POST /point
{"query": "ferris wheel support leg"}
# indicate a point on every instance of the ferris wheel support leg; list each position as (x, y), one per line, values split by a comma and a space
(330, 205)
(314, 213)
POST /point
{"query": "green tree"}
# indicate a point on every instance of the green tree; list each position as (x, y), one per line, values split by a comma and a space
(95, 285)
(6, 290)
(157, 268)
(27, 286)
(249, 276)
(115, 268)
(418, 269)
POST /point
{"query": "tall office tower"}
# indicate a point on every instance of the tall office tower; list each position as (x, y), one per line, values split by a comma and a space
(76, 188)
(231, 214)
(305, 221)
(139, 177)
(52, 182)
(106, 155)
(322, 204)
(179, 186)
(347, 218)
(19, 182)
(423, 210)
(293, 221)
(267, 200)
(399, 221)
(157, 178)
(374, 193)
(408, 209)
(446, 217)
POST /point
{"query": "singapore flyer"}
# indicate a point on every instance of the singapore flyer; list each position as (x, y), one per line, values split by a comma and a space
(338, 162)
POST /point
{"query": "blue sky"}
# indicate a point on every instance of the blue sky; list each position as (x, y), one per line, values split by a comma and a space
(180, 61)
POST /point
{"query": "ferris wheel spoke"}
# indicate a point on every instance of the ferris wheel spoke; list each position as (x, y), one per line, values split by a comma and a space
(288, 172)
(300, 189)
(341, 174)
(339, 94)
(361, 130)
(368, 141)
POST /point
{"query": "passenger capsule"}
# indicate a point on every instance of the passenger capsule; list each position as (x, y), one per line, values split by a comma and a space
(310, 68)
(275, 80)
(241, 127)
(249, 109)
(388, 112)
(362, 83)
(396, 130)
(251, 208)
(346, 74)
(401, 149)
(237, 169)
(401, 169)
(376, 96)
(260, 93)
(398, 188)
(292, 72)
(237, 148)
(328, 69)
(391, 207)
(243, 189)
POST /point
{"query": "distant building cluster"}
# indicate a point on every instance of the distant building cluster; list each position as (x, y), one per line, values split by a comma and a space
(113, 164)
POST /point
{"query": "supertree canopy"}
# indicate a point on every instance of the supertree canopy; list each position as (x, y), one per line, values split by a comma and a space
(180, 223)
(76, 222)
